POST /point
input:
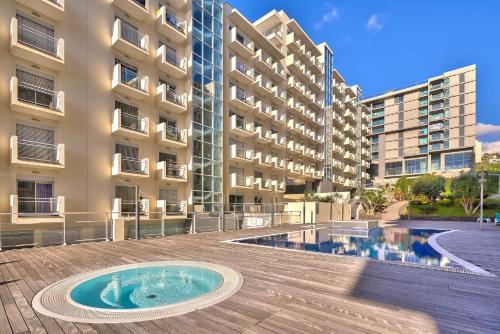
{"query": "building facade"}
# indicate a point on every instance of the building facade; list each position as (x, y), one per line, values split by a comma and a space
(198, 107)
(426, 128)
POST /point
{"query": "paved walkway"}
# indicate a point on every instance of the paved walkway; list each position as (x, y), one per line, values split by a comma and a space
(391, 213)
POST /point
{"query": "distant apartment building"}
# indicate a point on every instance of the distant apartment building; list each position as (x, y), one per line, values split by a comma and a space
(200, 108)
(426, 128)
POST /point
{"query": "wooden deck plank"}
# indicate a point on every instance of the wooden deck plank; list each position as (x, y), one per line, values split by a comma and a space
(284, 291)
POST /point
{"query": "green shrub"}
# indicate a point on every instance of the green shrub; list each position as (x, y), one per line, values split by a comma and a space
(419, 200)
(429, 185)
(427, 208)
(492, 203)
(447, 194)
(445, 202)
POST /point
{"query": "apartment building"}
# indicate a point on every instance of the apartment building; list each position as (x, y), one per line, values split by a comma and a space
(426, 128)
(186, 101)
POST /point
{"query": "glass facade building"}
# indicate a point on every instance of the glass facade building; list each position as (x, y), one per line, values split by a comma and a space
(207, 104)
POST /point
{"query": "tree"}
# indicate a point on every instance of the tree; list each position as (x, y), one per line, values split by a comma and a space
(429, 185)
(401, 188)
(373, 200)
(466, 188)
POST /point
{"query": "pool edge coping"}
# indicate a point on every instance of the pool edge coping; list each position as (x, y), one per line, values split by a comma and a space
(214, 297)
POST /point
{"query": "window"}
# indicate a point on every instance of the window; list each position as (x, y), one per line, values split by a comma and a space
(393, 168)
(458, 160)
(168, 195)
(36, 144)
(236, 203)
(435, 162)
(373, 171)
(416, 166)
(35, 197)
(127, 195)
(36, 89)
(398, 99)
(36, 35)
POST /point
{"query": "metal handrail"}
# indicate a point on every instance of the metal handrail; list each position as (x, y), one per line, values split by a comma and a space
(173, 170)
(131, 78)
(177, 22)
(37, 206)
(132, 122)
(131, 165)
(131, 35)
(171, 57)
(37, 40)
(172, 133)
(175, 97)
(39, 96)
(32, 150)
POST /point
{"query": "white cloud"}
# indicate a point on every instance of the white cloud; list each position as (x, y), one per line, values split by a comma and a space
(328, 17)
(374, 23)
(487, 129)
(491, 147)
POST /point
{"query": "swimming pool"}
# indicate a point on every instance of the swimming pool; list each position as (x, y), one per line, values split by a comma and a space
(397, 245)
(146, 287)
(138, 292)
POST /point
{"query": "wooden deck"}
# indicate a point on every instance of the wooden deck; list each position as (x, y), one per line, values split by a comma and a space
(284, 291)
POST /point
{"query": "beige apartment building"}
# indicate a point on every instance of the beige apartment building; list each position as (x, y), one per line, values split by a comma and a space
(190, 102)
(426, 128)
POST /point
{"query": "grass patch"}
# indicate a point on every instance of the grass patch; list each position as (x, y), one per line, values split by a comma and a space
(454, 210)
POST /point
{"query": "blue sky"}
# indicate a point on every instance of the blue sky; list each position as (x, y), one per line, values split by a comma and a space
(386, 44)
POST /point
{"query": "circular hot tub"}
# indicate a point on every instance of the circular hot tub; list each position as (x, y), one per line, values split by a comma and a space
(138, 292)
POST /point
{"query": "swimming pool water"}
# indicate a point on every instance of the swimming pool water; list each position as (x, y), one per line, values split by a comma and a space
(146, 287)
(385, 244)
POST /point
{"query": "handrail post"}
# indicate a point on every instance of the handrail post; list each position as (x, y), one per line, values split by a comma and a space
(107, 232)
(64, 229)
(162, 225)
(193, 225)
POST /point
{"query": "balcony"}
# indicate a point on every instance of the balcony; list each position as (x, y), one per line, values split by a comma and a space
(318, 138)
(238, 153)
(53, 9)
(263, 184)
(295, 86)
(279, 186)
(278, 163)
(171, 137)
(294, 65)
(264, 110)
(306, 74)
(349, 156)
(263, 136)
(278, 141)
(279, 96)
(125, 209)
(138, 9)
(262, 159)
(129, 83)
(171, 173)
(172, 210)
(130, 167)
(315, 84)
(239, 99)
(240, 43)
(278, 73)
(168, 62)
(36, 101)
(413, 152)
(240, 71)
(293, 42)
(239, 181)
(30, 210)
(317, 65)
(171, 26)
(293, 105)
(263, 86)
(263, 61)
(239, 127)
(170, 100)
(129, 125)
(128, 40)
(279, 118)
(437, 86)
(32, 154)
(35, 46)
